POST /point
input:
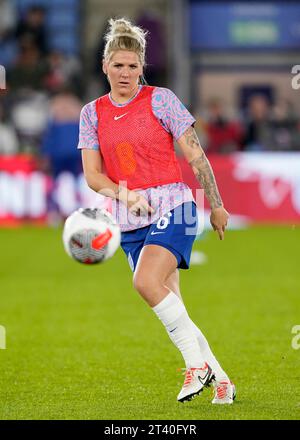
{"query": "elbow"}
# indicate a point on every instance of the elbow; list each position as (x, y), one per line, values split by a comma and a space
(93, 187)
(92, 182)
(96, 181)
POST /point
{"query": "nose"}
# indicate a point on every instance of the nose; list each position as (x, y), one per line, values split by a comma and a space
(125, 73)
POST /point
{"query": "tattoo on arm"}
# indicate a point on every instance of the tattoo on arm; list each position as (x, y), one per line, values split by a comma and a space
(203, 171)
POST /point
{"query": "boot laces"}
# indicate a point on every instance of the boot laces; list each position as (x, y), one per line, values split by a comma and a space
(221, 390)
(188, 377)
(189, 374)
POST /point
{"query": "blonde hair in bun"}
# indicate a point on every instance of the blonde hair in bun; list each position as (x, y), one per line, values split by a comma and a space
(123, 35)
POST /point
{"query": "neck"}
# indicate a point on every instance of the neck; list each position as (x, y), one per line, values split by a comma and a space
(122, 98)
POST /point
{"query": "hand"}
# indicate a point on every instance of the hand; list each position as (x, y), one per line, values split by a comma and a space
(218, 219)
(136, 203)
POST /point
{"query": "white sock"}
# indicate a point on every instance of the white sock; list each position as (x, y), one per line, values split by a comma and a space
(172, 312)
(208, 354)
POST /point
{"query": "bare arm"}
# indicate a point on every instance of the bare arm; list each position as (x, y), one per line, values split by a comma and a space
(99, 182)
(194, 154)
(96, 180)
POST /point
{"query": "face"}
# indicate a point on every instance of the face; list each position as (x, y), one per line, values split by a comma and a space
(259, 107)
(123, 71)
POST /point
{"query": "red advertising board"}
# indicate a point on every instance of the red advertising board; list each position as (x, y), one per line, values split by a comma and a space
(262, 187)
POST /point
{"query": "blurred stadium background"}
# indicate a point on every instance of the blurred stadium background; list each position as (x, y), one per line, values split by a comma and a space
(234, 64)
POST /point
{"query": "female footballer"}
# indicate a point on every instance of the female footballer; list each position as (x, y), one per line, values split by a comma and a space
(126, 137)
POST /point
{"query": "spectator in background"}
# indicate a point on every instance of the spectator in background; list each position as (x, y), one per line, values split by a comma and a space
(155, 71)
(58, 154)
(8, 20)
(101, 85)
(285, 127)
(29, 112)
(9, 144)
(63, 70)
(29, 71)
(258, 127)
(32, 28)
(223, 136)
(61, 135)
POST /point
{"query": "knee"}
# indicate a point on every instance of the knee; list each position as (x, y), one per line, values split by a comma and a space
(145, 284)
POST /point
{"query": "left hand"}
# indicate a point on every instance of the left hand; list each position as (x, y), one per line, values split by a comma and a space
(218, 219)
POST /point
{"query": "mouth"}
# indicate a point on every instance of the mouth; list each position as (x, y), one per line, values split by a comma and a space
(124, 83)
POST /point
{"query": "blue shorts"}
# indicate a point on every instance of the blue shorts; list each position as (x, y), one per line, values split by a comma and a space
(175, 231)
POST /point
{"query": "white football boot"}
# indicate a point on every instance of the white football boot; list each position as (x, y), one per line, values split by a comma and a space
(224, 392)
(195, 380)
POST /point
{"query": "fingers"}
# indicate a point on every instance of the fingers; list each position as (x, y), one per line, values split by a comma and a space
(221, 233)
(220, 230)
(219, 219)
(138, 205)
(135, 211)
(141, 210)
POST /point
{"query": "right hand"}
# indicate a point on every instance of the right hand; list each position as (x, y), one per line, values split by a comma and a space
(136, 203)
(219, 219)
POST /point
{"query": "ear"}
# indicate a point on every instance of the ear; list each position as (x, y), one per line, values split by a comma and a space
(104, 67)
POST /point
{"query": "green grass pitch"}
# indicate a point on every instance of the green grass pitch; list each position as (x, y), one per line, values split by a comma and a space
(81, 343)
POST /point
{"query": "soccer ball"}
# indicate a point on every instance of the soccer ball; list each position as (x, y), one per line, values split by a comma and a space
(91, 236)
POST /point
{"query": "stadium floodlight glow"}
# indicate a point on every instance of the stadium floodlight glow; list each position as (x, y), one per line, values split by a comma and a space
(2, 78)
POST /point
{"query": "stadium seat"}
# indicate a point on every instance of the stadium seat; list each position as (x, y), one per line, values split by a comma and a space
(62, 22)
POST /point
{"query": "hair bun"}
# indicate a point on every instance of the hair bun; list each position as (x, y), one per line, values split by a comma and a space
(122, 27)
(123, 35)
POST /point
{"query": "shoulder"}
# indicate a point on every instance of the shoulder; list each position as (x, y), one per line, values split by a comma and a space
(88, 115)
(89, 108)
(88, 137)
(163, 97)
(172, 113)
(162, 94)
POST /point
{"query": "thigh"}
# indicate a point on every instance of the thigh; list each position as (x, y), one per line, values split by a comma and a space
(156, 263)
(132, 243)
(176, 231)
